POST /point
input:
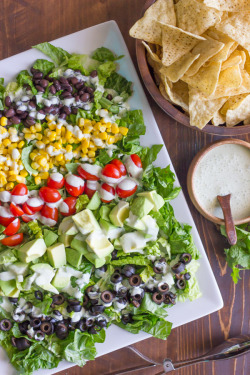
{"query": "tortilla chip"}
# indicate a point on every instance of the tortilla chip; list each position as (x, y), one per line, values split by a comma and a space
(234, 59)
(206, 79)
(156, 68)
(218, 119)
(147, 27)
(229, 47)
(176, 43)
(202, 111)
(237, 26)
(232, 103)
(229, 5)
(175, 71)
(247, 121)
(231, 77)
(195, 17)
(152, 54)
(206, 49)
(222, 90)
(242, 112)
(177, 93)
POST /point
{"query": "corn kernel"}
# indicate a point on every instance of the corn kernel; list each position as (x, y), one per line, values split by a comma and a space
(33, 129)
(38, 127)
(123, 130)
(114, 129)
(81, 121)
(57, 145)
(3, 121)
(85, 143)
(12, 173)
(6, 142)
(87, 129)
(35, 165)
(12, 177)
(91, 154)
(3, 130)
(29, 137)
(71, 141)
(38, 180)
(69, 148)
(12, 146)
(21, 144)
(58, 131)
(84, 150)
(5, 151)
(103, 136)
(39, 136)
(42, 161)
(33, 155)
(2, 189)
(24, 173)
(9, 186)
(110, 140)
(96, 133)
(12, 131)
(52, 126)
(118, 137)
(44, 175)
(20, 179)
(63, 131)
(59, 157)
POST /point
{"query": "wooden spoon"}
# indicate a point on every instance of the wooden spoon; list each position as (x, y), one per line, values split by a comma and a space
(224, 201)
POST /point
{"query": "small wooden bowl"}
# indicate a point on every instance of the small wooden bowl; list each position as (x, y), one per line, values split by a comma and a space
(174, 111)
(190, 179)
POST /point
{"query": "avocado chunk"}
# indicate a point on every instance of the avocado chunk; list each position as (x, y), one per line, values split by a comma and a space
(104, 212)
(57, 255)
(15, 293)
(79, 244)
(99, 244)
(32, 250)
(98, 262)
(117, 244)
(94, 202)
(133, 242)
(86, 221)
(154, 198)
(110, 230)
(133, 222)
(7, 287)
(61, 279)
(65, 239)
(74, 257)
(67, 226)
(49, 237)
(141, 206)
(44, 275)
(119, 213)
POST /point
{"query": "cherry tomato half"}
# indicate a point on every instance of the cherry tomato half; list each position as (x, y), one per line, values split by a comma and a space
(14, 240)
(111, 171)
(12, 228)
(6, 217)
(126, 188)
(49, 212)
(69, 205)
(20, 189)
(120, 166)
(107, 193)
(49, 195)
(16, 210)
(56, 181)
(91, 187)
(87, 175)
(136, 160)
(34, 204)
(74, 185)
(27, 218)
(26, 209)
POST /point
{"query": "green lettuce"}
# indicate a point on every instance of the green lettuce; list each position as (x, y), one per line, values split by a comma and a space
(104, 54)
(24, 78)
(56, 54)
(120, 84)
(44, 66)
(81, 202)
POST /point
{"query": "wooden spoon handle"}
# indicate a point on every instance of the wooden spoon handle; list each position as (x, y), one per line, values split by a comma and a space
(224, 201)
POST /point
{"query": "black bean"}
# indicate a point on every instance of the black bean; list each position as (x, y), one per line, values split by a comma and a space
(55, 111)
(85, 97)
(58, 299)
(38, 75)
(74, 110)
(135, 280)
(89, 90)
(10, 113)
(23, 115)
(50, 79)
(63, 80)
(15, 120)
(13, 299)
(52, 89)
(40, 88)
(116, 278)
(5, 325)
(178, 267)
(32, 104)
(44, 83)
(37, 81)
(47, 109)
(30, 121)
(7, 101)
(66, 94)
(57, 85)
(93, 74)
(33, 70)
(67, 110)
(81, 92)
(47, 328)
(79, 85)
(22, 343)
(109, 97)
(74, 81)
(62, 116)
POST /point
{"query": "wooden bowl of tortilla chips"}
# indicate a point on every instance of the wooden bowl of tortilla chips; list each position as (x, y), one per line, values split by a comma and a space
(194, 58)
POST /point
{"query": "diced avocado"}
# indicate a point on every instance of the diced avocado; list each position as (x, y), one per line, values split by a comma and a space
(15, 293)
(8, 286)
(56, 254)
(7, 256)
(141, 206)
(74, 257)
(32, 250)
(154, 198)
(98, 262)
(49, 237)
(19, 268)
(94, 202)
(79, 244)
(49, 287)
(104, 212)
(44, 275)
(119, 213)
(67, 226)
(61, 279)
(86, 221)
(117, 244)
(65, 239)
(132, 242)
(133, 222)
(110, 230)
(99, 244)
(41, 268)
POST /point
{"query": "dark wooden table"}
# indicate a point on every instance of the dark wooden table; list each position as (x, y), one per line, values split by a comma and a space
(24, 23)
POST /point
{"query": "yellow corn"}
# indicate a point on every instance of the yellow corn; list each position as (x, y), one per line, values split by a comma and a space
(12, 146)
(20, 179)
(2, 189)
(96, 133)
(33, 155)
(87, 130)
(57, 145)
(103, 136)
(84, 150)
(29, 137)
(59, 157)
(114, 129)
(69, 148)
(39, 143)
(2, 130)
(123, 130)
(33, 129)
(110, 140)
(52, 126)
(118, 137)
(43, 175)
(91, 154)
(42, 161)
(12, 173)
(9, 186)
(3, 121)
(38, 180)
(81, 122)
(12, 178)
(6, 141)
(38, 127)
(85, 143)
(24, 173)
(21, 144)
(71, 140)
(58, 131)
(39, 136)
(68, 135)
(35, 165)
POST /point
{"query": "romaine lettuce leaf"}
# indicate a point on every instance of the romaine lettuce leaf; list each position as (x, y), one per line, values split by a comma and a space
(45, 66)
(120, 84)
(57, 54)
(24, 78)
(104, 54)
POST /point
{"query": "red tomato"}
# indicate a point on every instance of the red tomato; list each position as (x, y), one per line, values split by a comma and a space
(49, 195)
(16, 210)
(26, 209)
(5, 216)
(49, 212)
(91, 187)
(12, 228)
(27, 218)
(52, 183)
(20, 189)
(86, 175)
(111, 171)
(14, 240)
(34, 204)
(126, 188)
(107, 193)
(74, 185)
(120, 166)
(136, 160)
(70, 202)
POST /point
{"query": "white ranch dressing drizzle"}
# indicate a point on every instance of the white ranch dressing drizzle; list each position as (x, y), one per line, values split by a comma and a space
(127, 184)
(92, 169)
(56, 176)
(106, 195)
(74, 181)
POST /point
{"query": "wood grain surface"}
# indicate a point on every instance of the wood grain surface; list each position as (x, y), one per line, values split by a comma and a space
(24, 23)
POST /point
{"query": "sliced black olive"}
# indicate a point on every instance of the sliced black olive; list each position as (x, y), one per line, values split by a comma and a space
(89, 322)
(180, 284)
(74, 302)
(158, 270)
(122, 292)
(186, 258)
(5, 325)
(187, 276)
(39, 295)
(172, 295)
(103, 268)
(35, 322)
(107, 296)
(178, 267)
(97, 327)
(117, 270)
(169, 300)
(163, 288)
(81, 325)
(90, 289)
(135, 280)
(47, 328)
(97, 309)
(92, 331)
(69, 309)
(58, 299)
(57, 313)
(39, 336)
(136, 303)
(13, 300)
(85, 301)
(162, 260)
(158, 298)
(62, 331)
(102, 323)
(23, 327)
(76, 308)
(13, 341)
(128, 270)
(126, 318)
(116, 278)
(114, 254)
(94, 301)
(22, 343)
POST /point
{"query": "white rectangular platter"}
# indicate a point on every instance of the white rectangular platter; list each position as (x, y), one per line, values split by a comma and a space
(84, 42)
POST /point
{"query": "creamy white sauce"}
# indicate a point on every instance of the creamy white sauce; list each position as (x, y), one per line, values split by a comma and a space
(132, 169)
(93, 185)
(64, 208)
(127, 184)
(92, 169)
(5, 212)
(110, 180)
(35, 202)
(47, 221)
(74, 181)
(57, 177)
(106, 195)
(19, 199)
(223, 170)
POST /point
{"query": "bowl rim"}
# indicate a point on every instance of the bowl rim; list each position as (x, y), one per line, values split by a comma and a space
(168, 107)
(190, 178)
